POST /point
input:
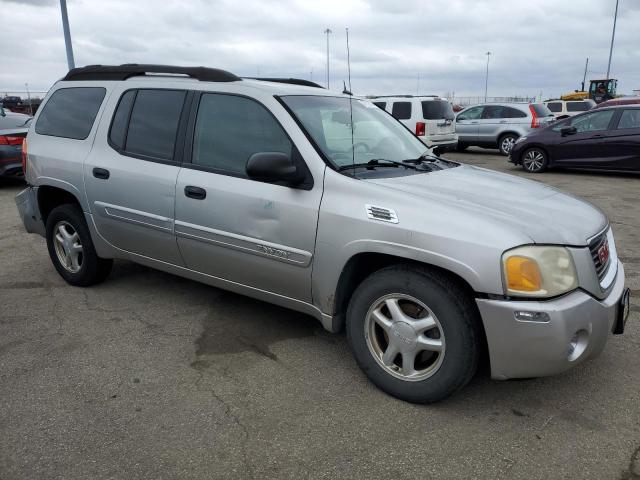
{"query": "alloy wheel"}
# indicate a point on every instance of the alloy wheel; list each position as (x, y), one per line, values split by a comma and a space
(533, 161)
(405, 337)
(507, 144)
(68, 246)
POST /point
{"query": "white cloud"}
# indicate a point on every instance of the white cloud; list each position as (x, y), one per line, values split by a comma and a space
(536, 46)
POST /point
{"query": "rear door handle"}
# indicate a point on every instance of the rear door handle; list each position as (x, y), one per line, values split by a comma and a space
(503, 121)
(101, 173)
(195, 192)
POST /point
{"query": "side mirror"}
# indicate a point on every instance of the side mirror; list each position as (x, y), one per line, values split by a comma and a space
(568, 130)
(273, 167)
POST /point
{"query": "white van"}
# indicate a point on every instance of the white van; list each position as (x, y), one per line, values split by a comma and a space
(430, 117)
(568, 108)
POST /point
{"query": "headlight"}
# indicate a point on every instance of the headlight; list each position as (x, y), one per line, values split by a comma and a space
(520, 139)
(538, 271)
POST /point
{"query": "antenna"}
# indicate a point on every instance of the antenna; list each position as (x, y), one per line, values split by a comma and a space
(353, 150)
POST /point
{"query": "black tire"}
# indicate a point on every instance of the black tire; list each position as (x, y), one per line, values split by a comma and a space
(535, 160)
(456, 313)
(506, 142)
(461, 147)
(92, 269)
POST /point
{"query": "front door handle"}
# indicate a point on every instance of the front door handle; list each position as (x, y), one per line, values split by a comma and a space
(101, 173)
(474, 122)
(195, 192)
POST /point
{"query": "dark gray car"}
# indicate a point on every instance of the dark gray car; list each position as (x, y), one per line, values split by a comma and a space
(499, 125)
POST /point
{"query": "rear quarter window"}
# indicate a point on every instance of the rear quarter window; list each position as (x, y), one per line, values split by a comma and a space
(578, 106)
(555, 107)
(401, 110)
(70, 112)
(541, 110)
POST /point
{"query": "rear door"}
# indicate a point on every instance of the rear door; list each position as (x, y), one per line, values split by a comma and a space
(586, 147)
(467, 125)
(622, 146)
(131, 173)
(438, 118)
(491, 123)
(255, 234)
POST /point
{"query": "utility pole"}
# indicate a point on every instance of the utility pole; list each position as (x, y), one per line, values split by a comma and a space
(613, 35)
(26, 85)
(327, 31)
(584, 78)
(486, 78)
(67, 34)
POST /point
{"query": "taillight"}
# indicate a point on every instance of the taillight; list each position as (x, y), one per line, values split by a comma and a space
(535, 123)
(420, 129)
(24, 155)
(9, 140)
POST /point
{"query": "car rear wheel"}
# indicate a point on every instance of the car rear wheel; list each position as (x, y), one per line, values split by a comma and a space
(71, 248)
(506, 143)
(414, 333)
(535, 160)
(461, 147)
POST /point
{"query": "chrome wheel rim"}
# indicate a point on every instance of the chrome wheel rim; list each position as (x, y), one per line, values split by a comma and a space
(405, 337)
(68, 246)
(507, 144)
(533, 160)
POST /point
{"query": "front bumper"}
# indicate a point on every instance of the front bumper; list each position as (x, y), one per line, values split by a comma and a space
(521, 349)
(27, 204)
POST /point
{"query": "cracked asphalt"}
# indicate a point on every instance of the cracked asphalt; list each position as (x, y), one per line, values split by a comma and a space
(151, 376)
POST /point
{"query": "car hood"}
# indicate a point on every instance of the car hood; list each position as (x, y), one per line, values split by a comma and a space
(543, 213)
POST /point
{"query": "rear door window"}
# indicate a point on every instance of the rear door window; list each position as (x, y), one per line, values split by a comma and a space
(578, 106)
(401, 110)
(629, 119)
(493, 111)
(437, 110)
(555, 107)
(153, 124)
(70, 112)
(510, 112)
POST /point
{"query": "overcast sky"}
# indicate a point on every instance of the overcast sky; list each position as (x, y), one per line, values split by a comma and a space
(536, 45)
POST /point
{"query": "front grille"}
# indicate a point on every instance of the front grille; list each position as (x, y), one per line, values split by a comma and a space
(594, 247)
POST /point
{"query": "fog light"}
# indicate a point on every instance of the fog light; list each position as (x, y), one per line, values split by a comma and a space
(577, 345)
(525, 316)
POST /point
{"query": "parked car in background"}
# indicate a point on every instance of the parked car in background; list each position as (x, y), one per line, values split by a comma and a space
(603, 138)
(431, 118)
(499, 125)
(13, 129)
(630, 100)
(568, 108)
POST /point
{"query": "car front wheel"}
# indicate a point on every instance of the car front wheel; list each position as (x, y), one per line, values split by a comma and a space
(535, 160)
(414, 333)
(506, 143)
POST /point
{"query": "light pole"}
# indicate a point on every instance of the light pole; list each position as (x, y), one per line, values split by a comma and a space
(327, 31)
(67, 34)
(613, 35)
(486, 77)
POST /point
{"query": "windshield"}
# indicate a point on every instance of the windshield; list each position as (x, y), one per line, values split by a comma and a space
(376, 134)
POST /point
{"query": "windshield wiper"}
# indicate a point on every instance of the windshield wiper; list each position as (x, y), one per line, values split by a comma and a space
(376, 162)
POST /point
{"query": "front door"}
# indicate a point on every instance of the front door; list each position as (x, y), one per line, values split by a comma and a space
(253, 233)
(131, 173)
(467, 125)
(585, 147)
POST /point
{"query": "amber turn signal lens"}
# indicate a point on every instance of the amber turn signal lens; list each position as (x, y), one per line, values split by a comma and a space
(523, 274)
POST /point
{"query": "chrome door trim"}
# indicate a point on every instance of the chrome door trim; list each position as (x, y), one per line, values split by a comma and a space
(255, 246)
(131, 215)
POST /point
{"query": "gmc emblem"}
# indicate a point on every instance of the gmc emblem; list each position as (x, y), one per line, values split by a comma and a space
(603, 253)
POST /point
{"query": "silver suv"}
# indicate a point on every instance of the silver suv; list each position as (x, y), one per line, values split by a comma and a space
(499, 125)
(326, 205)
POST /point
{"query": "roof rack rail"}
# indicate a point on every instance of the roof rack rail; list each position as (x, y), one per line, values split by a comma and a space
(402, 96)
(293, 81)
(128, 70)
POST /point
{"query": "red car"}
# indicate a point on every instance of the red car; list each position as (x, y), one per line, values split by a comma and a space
(619, 101)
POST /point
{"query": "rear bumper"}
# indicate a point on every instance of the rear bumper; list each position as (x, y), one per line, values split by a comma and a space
(27, 204)
(520, 349)
(10, 161)
(445, 140)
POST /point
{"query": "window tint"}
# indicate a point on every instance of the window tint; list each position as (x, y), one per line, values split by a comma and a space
(382, 105)
(70, 112)
(541, 109)
(578, 106)
(229, 129)
(493, 111)
(120, 118)
(471, 114)
(154, 123)
(629, 119)
(592, 122)
(555, 107)
(510, 112)
(401, 110)
(437, 110)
